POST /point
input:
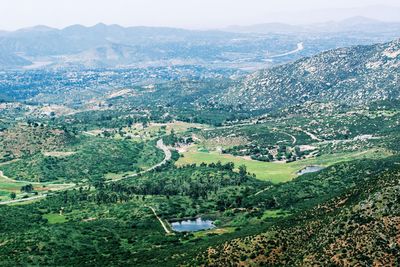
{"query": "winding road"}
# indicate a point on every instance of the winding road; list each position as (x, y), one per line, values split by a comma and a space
(160, 145)
(167, 157)
(300, 47)
(291, 136)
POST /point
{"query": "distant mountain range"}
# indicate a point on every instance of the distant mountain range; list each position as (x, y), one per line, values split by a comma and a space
(352, 76)
(354, 24)
(247, 48)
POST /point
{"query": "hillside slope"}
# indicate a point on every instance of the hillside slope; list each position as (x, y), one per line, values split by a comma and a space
(11, 60)
(358, 228)
(355, 75)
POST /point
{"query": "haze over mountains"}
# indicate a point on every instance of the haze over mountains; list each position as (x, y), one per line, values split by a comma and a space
(357, 25)
(264, 145)
(247, 48)
(380, 12)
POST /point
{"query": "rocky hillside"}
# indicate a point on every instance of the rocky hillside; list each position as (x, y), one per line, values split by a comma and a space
(25, 140)
(358, 228)
(355, 75)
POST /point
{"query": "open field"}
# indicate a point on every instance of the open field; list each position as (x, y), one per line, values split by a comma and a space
(54, 218)
(8, 185)
(268, 214)
(216, 231)
(58, 154)
(273, 171)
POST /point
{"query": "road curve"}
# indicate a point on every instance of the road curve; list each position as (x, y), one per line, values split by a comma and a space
(160, 145)
(167, 157)
(300, 47)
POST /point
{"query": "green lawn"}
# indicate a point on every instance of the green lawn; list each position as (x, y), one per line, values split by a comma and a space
(268, 214)
(216, 231)
(7, 186)
(54, 218)
(271, 171)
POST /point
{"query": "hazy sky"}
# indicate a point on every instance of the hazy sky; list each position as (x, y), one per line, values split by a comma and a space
(184, 13)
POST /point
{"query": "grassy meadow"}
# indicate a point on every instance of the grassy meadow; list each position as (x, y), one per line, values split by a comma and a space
(273, 171)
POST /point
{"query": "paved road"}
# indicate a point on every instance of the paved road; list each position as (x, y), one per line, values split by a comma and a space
(167, 157)
(291, 136)
(300, 47)
(22, 200)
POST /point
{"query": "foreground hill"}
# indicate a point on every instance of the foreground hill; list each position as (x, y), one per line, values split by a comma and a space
(355, 75)
(358, 228)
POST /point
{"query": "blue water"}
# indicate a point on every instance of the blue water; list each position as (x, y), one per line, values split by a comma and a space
(192, 225)
(310, 169)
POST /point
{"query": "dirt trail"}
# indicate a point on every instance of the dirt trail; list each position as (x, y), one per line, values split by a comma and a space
(311, 135)
(7, 178)
(262, 191)
(167, 231)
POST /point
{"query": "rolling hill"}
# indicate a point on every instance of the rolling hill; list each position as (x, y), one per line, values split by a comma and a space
(250, 48)
(353, 76)
(11, 60)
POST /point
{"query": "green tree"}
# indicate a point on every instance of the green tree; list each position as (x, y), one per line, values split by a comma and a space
(27, 188)
(242, 170)
(13, 195)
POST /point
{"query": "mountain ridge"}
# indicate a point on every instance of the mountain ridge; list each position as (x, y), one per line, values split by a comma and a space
(246, 51)
(356, 23)
(354, 75)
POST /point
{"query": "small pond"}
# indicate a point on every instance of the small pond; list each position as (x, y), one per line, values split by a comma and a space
(310, 169)
(192, 225)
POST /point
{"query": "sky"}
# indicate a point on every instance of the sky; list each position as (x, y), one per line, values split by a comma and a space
(194, 14)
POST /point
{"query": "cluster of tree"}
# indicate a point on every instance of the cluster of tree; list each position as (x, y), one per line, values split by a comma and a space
(266, 153)
(191, 180)
(217, 184)
(174, 139)
(94, 158)
(27, 188)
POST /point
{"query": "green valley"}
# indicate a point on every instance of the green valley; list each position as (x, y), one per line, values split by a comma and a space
(263, 145)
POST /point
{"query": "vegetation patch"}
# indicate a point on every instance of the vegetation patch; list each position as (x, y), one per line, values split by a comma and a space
(59, 154)
(94, 158)
(54, 218)
(273, 171)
